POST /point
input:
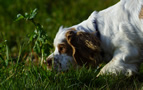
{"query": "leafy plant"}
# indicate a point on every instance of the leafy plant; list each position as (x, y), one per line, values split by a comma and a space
(39, 39)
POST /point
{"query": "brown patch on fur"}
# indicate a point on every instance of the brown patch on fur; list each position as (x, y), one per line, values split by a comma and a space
(86, 47)
(141, 13)
(65, 48)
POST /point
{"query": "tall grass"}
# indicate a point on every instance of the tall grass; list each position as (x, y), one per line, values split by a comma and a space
(16, 74)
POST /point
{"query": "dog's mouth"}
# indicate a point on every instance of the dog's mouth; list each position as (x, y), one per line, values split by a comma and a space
(53, 64)
(62, 63)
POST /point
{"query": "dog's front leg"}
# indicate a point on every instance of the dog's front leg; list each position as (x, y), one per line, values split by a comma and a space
(126, 54)
(125, 63)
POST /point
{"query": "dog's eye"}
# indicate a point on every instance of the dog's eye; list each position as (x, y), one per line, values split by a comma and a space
(62, 48)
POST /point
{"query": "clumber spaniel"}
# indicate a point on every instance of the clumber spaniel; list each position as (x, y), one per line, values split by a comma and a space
(117, 31)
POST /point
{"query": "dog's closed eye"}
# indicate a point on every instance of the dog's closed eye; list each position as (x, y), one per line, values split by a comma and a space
(62, 48)
(65, 48)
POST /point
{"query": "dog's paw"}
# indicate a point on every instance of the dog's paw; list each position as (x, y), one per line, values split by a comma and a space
(107, 70)
(115, 70)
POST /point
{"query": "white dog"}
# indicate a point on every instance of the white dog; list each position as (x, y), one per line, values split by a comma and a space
(120, 31)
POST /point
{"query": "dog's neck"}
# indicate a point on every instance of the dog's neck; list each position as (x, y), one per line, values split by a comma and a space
(90, 25)
(96, 28)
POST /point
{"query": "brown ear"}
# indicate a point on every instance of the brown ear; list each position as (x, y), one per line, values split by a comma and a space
(86, 47)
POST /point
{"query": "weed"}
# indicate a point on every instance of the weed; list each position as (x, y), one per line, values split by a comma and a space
(38, 39)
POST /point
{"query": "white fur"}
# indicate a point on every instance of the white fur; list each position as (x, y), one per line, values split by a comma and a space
(121, 34)
(62, 62)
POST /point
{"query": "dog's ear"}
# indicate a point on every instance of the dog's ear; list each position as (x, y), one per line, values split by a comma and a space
(86, 47)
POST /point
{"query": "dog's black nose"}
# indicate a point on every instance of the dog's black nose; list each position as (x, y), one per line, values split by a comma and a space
(49, 61)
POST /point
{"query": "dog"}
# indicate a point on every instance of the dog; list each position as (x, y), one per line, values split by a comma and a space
(114, 35)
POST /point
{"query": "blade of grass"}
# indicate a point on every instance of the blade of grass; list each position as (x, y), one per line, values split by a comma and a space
(7, 78)
(7, 55)
(19, 54)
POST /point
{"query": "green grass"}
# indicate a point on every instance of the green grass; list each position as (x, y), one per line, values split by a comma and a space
(15, 73)
(33, 77)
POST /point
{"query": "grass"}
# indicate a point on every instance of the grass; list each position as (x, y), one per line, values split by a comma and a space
(15, 73)
(33, 77)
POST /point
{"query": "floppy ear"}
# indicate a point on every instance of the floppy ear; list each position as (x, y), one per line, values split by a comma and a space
(86, 47)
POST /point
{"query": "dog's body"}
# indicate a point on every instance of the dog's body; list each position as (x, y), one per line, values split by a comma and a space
(120, 30)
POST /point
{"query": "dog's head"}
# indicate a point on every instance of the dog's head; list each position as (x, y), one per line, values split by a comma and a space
(74, 47)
